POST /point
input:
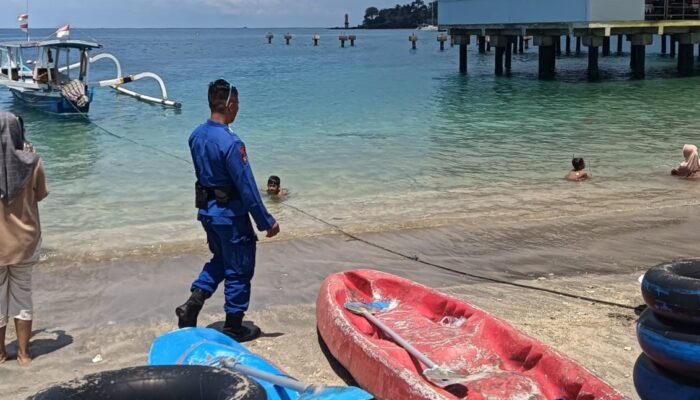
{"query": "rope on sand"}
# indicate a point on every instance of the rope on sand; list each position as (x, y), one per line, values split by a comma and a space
(380, 247)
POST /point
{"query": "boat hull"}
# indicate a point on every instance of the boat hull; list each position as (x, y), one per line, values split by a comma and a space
(500, 361)
(51, 102)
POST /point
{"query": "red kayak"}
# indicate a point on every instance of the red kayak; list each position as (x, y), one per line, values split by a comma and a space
(499, 361)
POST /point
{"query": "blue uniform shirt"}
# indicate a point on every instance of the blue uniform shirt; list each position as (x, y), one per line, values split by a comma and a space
(220, 159)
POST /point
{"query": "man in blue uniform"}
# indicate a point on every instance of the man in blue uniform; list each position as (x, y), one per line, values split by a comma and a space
(226, 194)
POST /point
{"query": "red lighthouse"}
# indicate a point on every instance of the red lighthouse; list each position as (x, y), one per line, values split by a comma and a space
(347, 22)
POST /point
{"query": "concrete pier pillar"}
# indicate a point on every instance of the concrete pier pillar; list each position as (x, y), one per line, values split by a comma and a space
(527, 43)
(685, 63)
(638, 54)
(481, 40)
(514, 41)
(352, 38)
(521, 42)
(568, 45)
(672, 46)
(287, 37)
(413, 39)
(619, 44)
(269, 37)
(463, 58)
(578, 45)
(663, 44)
(501, 43)
(686, 48)
(547, 56)
(593, 43)
(638, 60)
(315, 39)
(488, 44)
(463, 42)
(442, 38)
(593, 71)
(606, 46)
(557, 44)
(509, 55)
(499, 60)
(343, 39)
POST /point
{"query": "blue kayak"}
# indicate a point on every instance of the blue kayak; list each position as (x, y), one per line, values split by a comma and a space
(200, 346)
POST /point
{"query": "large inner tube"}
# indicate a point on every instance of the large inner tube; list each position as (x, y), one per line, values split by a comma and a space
(655, 383)
(673, 345)
(170, 382)
(673, 290)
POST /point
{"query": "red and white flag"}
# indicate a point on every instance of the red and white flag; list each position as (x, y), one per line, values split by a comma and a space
(63, 31)
(23, 22)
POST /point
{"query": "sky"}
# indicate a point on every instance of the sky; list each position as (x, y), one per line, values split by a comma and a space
(188, 13)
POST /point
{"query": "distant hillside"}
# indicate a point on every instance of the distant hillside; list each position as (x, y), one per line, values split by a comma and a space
(408, 16)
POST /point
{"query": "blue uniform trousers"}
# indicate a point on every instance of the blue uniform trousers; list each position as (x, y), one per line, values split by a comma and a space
(233, 261)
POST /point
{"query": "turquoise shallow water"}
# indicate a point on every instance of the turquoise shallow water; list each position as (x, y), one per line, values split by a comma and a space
(370, 138)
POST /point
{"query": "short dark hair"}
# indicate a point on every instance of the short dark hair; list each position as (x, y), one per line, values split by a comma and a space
(218, 94)
(273, 179)
(578, 163)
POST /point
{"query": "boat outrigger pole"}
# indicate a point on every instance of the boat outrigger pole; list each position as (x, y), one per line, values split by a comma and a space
(116, 83)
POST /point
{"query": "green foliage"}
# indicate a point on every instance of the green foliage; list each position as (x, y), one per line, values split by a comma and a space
(408, 16)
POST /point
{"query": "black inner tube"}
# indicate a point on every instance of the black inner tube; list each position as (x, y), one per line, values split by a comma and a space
(172, 382)
(688, 269)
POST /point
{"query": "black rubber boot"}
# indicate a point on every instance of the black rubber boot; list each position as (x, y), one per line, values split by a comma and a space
(234, 328)
(188, 312)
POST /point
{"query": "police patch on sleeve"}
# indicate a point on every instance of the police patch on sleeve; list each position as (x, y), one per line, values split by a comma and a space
(244, 155)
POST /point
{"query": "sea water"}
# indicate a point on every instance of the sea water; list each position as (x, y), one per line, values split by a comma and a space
(375, 137)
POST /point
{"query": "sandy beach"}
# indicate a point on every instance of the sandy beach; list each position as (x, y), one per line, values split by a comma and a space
(115, 308)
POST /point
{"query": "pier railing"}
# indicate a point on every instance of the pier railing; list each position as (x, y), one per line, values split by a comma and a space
(656, 10)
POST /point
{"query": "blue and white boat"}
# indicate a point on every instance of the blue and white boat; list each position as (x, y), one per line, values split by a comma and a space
(52, 75)
(200, 346)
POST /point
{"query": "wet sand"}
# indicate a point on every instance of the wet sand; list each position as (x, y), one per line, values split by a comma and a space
(116, 308)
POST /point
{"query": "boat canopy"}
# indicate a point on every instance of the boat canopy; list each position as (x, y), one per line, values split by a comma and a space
(63, 43)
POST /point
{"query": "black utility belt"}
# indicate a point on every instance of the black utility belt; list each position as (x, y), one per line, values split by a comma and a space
(223, 195)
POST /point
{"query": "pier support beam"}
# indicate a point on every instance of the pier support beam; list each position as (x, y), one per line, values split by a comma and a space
(509, 54)
(578, 45)
(672, 45)
(463, 42)
(501, 43)
(521, 42)
(663, 44)
(606, 46)
(619, 44)
(557, 44)
(638, 54)
(593, 43)
(686, 47)
(547, 56)
(481, 40)
(568, 44)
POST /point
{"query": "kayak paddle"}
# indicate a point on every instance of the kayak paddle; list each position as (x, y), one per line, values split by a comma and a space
(307, 391)
(440, 376)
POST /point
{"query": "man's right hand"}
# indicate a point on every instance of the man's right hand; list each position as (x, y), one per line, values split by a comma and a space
(272, 232)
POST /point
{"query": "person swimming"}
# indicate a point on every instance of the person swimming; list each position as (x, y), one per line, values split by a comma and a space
(690, 168)
(579, 172)
(274, 188)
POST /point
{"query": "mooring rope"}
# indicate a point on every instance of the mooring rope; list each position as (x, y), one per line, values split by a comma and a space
(378, 246)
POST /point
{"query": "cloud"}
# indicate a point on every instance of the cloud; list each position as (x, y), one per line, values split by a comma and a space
(269, 7)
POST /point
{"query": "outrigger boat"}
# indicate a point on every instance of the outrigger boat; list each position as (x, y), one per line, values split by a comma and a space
(56, 80)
